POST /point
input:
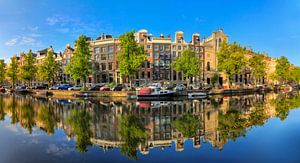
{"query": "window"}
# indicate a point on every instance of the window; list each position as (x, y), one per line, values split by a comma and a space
(110, 66)
(96, 57)
(179, 41)
(161, 48)
(179, 54)
(155, 55)
(103, 66)
(197, 49)
(179, 47)
(103, 56)
(142, 40)
(97, 50)
(148, 74)
(110, 48)
(156, 63)
(117, 66)
(148, 64)
(174, 47)
(184, 48)
(220, 41)
(143, 74)
(174, 54)
(161, 55)
(143, 65)
(192, 48)
(111, 56)
(103, 49)
(167, 47)
(148, 46)
(208, 66)
(156, 47)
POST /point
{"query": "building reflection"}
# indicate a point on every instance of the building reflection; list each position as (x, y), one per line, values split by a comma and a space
(165, 123)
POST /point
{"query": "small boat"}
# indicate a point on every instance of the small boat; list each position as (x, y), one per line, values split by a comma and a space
(194, 95)
(2, 90)
(154, 93)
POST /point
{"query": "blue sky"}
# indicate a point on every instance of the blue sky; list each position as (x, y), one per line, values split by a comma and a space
(271, 26)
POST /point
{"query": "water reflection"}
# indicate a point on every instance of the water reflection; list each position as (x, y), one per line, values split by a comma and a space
(141, 126)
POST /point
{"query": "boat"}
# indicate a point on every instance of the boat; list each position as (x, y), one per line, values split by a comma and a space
(2, 90)
(194, 95)
(154, 93)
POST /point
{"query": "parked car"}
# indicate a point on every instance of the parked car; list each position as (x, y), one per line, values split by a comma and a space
(75, 88)
(118, 87)
(42, 86)
(168, 86)
(64, 87)
(53, 87)
(95, 88)
(21, 87)
(179, 87)
(105, 88)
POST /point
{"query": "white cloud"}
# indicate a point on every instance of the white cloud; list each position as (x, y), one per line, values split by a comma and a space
(11, 42)
(52, 20)
(200, 20)
(27, 40)
(33, 29)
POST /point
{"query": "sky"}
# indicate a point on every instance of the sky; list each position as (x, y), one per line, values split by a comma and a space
(271, 26)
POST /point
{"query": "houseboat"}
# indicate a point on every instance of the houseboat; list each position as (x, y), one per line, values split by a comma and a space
(154, 93)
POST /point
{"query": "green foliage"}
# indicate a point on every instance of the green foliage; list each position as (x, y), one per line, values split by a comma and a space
(131, 57)
(257, 65)
(231, 59)
(12, 71)
(282, 69)
(188, 63)
(46, 116)
(80, 121)
(133, 133)
(2, 113)
(80, 67)
(294, 74)
(283, 104)
(215, 79)
(27, 116)
(28, 69)
(231, 125)
(188, 125)
(49, 69)
(257, 115)
(2, 71)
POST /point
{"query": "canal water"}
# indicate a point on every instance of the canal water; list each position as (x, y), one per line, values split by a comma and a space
(246, 128)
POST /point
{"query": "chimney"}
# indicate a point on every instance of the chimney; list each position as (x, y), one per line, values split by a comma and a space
(161, 36)
(103, 36)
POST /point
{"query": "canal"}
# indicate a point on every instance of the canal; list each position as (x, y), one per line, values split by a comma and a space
(245, 128)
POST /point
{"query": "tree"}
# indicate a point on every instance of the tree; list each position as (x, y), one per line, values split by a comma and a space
(188, 63)
(257, 66)
(231, 59)
(282, 67)
(28, 69)
(131, 57)
(80, 67)
(2, 71)
(12, 71)
(49, 69)
(294, 74)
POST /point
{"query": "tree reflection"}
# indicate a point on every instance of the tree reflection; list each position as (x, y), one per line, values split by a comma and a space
(27, 116)
(188, 125)
(79, 120)
(46, 116)
(284, 104)
(2, 113)
(257, 115)
(14, 110)
(132, 132)
(232, 125)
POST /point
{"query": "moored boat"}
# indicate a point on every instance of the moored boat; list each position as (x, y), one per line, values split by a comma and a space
(154, 93)
(194, 95)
